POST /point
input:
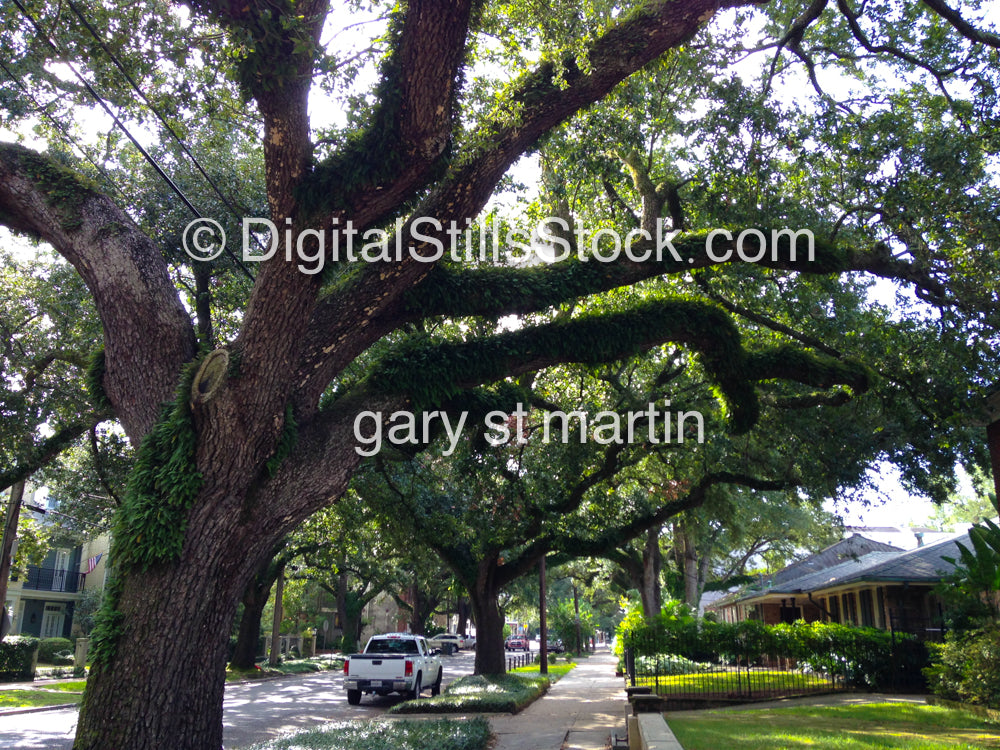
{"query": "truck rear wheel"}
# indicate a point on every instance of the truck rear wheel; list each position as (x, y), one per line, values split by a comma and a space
(354, 697)
(436, 688)
(415, 693)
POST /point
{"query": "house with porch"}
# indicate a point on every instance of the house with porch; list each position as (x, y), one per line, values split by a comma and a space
(42, 602)
(857, 581)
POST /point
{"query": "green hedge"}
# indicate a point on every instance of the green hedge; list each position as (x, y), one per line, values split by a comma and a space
(865, 656)
(17, 658)
(966, 667)
(50, 648)
(506, 693)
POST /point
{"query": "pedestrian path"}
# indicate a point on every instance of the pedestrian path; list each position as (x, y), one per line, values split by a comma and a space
(580, 712)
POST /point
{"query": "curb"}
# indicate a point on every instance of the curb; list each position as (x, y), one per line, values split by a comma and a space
(36, 709)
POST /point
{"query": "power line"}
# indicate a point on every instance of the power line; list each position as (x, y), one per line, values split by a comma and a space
(97, 97)
(163, 120)
(64, 131)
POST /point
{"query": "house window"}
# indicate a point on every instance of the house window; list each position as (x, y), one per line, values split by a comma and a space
(850, 605)
(833, 604)
(867, 609)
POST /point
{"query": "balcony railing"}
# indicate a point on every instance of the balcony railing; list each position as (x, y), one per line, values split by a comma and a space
(53, 579)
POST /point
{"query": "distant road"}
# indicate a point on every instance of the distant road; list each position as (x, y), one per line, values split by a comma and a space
(253, 712)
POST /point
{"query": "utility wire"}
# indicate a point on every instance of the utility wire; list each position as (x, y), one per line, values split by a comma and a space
(97, 97)
(64, 131)
(163, 120)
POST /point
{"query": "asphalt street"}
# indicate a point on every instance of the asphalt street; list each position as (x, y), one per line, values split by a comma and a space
(252, 712)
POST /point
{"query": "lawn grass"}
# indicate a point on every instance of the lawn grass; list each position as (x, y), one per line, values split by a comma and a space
(725, 682)
(36, 698)
(71, 686)
(440, 734)
(556, 671)
(902, 726)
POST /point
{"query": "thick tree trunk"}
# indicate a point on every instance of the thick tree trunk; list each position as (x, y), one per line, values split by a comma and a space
(485, 600)
(692, 595)
(418, 610)
(463, 615)
(254, 600)
(11, 519)
(649, 584)
(161, 688)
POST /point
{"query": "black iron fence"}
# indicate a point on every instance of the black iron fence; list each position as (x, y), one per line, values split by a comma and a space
(753, 665)
(521, 660)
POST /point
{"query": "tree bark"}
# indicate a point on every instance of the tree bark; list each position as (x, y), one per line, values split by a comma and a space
(248, 637)
(649, 583)
(484, 597)
(164, 692)
(11, 518)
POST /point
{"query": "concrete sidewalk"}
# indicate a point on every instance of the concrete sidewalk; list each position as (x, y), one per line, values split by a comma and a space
(579, 712)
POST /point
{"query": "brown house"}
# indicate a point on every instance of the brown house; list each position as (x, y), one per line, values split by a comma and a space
(856, 582)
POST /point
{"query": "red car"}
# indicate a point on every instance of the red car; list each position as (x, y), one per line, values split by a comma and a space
(517, 643)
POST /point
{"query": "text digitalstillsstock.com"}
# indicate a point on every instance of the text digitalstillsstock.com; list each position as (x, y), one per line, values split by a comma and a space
(654, 424)
(262, 240)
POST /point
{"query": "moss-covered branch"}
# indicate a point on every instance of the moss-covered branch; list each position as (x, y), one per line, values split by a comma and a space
(789, 362)
(433, 372)
(454, 290)
(408, 137)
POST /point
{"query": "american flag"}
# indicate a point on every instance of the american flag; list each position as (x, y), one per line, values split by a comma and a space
(92, 562)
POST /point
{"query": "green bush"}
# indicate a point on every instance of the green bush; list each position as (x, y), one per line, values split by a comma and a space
(966, 667)
(865, 656)
(669, 664)
(17, 660)
(507, 693)
(50, 647)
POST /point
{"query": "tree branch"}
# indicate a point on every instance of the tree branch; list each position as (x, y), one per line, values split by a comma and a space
(147, 333)
(963, 27)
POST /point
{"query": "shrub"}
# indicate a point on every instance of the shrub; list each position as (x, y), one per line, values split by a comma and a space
(966, 667)
(866, 657)
(506, 693)
(50, 647)
(17, 658)
(668, 664)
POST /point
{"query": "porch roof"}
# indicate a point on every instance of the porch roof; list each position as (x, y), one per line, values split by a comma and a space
(921, 565)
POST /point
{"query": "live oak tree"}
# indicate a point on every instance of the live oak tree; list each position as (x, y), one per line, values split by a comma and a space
(243, 412)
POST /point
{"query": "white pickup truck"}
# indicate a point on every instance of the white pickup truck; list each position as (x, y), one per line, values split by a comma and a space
(393, 663)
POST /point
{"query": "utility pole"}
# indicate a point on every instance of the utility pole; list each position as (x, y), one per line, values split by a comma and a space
(543, 629)
(576, 607)
(279, 593)
(7, 550)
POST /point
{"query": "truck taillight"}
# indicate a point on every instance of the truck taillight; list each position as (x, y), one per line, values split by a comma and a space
(408, 668)
(347, 664)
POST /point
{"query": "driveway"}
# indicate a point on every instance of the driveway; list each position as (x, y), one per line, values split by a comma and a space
(252, 712)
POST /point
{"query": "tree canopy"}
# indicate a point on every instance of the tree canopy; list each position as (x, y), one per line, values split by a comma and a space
(869, 130)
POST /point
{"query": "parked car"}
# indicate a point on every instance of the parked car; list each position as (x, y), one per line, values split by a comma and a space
(449, 643)
(517, 643)
(393, 663)
(554, 646)
(469, 641)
